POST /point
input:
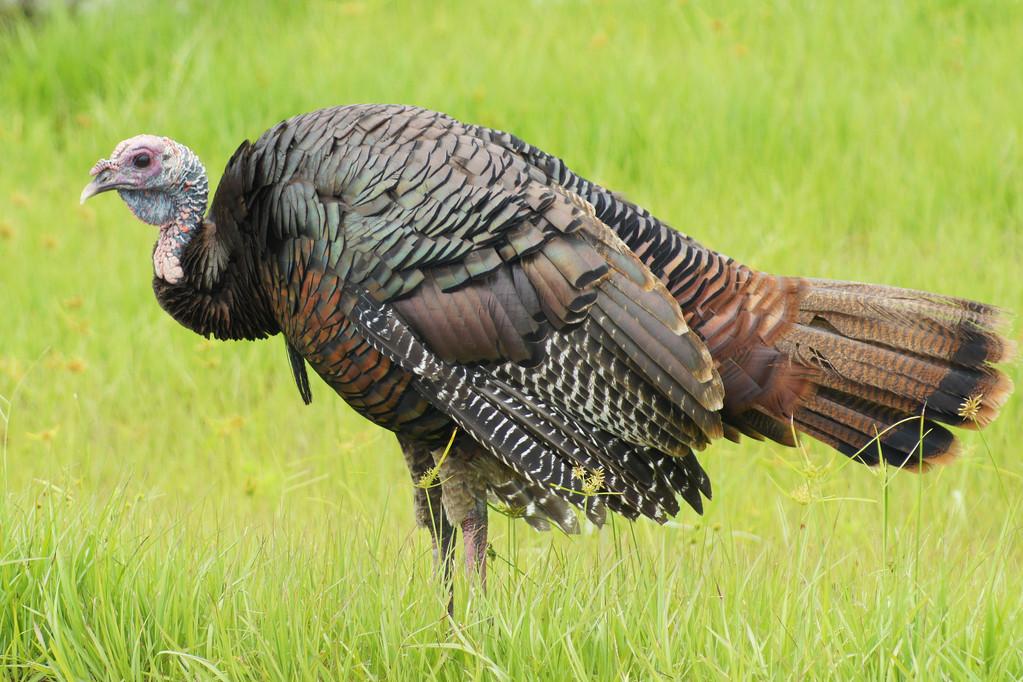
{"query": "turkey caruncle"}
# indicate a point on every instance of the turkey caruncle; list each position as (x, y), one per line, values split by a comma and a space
(437, 274)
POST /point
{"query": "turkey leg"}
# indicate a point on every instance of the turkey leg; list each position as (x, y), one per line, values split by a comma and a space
(429, 510)
(474, 535)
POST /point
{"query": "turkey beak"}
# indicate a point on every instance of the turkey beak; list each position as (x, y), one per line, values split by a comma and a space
(103, 181)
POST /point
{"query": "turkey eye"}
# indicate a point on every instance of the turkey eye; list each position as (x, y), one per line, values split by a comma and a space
(141, 161)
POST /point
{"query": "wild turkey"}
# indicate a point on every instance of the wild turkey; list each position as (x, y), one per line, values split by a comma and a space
(437, 274)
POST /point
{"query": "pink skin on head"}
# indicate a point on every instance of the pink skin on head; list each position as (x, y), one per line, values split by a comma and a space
(137, 160)
(149, 173)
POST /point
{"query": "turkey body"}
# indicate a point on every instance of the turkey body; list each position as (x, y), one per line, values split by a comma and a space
(440, 275)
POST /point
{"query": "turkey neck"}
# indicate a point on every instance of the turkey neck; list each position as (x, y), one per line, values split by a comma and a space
(183, 208)
(204, 275)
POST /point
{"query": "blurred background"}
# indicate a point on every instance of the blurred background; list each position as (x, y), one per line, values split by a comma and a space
(163, 493)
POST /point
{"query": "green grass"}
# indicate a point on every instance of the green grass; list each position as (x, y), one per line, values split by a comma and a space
(170, 509)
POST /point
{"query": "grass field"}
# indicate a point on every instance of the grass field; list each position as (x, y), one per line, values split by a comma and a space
(171, 510)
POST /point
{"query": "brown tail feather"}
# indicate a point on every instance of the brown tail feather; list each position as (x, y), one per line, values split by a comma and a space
(853, 365)
(885, 357)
